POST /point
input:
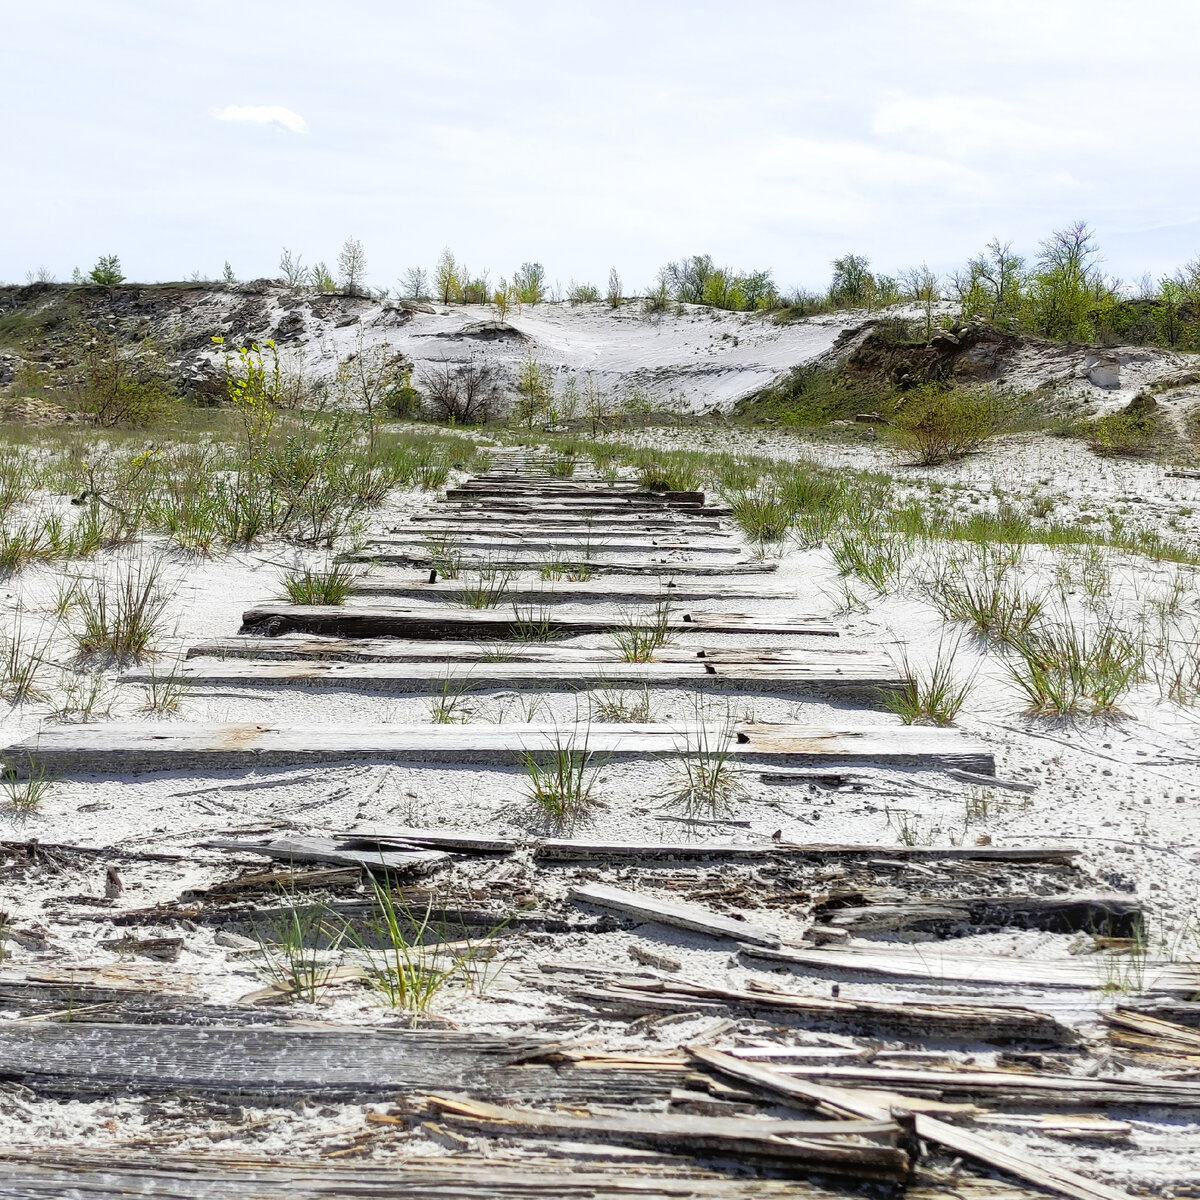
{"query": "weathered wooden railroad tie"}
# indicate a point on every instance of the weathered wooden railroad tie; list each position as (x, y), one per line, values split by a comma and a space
(119, 747)
(431, 621)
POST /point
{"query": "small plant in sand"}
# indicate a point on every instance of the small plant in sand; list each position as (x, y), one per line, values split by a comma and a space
(869, 553)
(989, 601)
(611, 705)
(763, 514)
(669, 476)
(705, 779)
(559, 781)
(488, 587)
(22, 658)
(561, 466)
(449, 705)
(330, 585)
(293, 958)
(572, 572)
(163, 693)
(24, 793)
(445, 554)
(929, 695)
(641, 635)
(940, 425)
(1067, 668)
(121, 615)
(533, 623)
(81, 695)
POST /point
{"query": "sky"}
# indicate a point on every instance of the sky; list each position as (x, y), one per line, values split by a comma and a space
(584, 135)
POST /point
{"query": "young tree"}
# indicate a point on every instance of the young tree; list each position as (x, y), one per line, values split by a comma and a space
(1066, 285)
(535, 392)
(292, 270)
(107, 271)
(613, 295)
(414, 285)
(41, 275)
(375, 379)
(227, 275)
(529, 283)
(322, 278)
(853, 285)
(352, 267)
(922, 286)
(500, 299)
(447, 279)
(597, 406)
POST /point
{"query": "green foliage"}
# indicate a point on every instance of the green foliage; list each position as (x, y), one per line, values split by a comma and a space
(329, 585)
(121, 616)
(107, 271)
(529, 283)
(812, 396)
(124, 386)
(535, 392)
(1133, 432)
(583, 293)
(929, 695)
(322, 278)
(941, 424)
(643, 633)
(559, 781)
(697, 281)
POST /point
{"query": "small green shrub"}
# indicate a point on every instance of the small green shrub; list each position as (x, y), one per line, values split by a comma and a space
(941, 425)
(1131, 433)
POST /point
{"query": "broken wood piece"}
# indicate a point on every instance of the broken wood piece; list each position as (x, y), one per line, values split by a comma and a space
(163, 949)
(842, 1102)
(680, 916)
(863, 1148)
(296, 848)
(1010, 785)
(937, 964)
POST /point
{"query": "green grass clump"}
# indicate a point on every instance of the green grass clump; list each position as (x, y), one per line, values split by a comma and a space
(122, 615)
(330, 585)
(642, 634)
(559, 783)
(931, 695)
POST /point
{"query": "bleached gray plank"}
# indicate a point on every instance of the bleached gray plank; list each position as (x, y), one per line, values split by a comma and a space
(121, 747)
(825, 674)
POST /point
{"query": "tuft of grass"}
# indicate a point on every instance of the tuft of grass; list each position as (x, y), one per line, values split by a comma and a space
(620, 705)
(1068, 668)
(402, 969)
(328, 586)
(490, 586)
(449, 706)
(573, 572)
(705, 781)
(532, 624)
(932, 695)
(669, 475)
(121, 616)
(445, 554)
(559, 783)
(21, 661)
(25, 793)
(763, 514)
(561, 466)
(292, 957)
(991, 604)
(163, 694)
(869, 554)
(640, 636)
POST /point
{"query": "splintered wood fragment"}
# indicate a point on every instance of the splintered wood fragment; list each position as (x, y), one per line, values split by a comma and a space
(1010, 785)
(1113, 914)
(164, 949)
(1166, 1037)
(680, 916)
(429, 839)
(431, 621)
(824, 674)
(937, 964)
(863, 1148)
(842, 1102)
(295, 848)
(961, 1020)
(149, 746)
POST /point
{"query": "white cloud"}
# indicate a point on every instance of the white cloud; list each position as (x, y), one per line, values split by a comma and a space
(262, 114)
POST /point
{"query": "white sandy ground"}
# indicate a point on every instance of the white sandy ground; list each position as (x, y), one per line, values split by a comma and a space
(1125, 790)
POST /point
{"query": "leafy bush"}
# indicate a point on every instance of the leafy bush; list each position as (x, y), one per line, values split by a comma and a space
(1130, 433)
(529, 283)
(124, 386)
(583, 293)
(941, 425)
(466, 395)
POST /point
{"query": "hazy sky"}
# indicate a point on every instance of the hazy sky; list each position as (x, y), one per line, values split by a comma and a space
(777, 133)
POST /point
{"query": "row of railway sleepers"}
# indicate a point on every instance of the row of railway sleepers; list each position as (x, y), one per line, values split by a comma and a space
(721, 1125)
